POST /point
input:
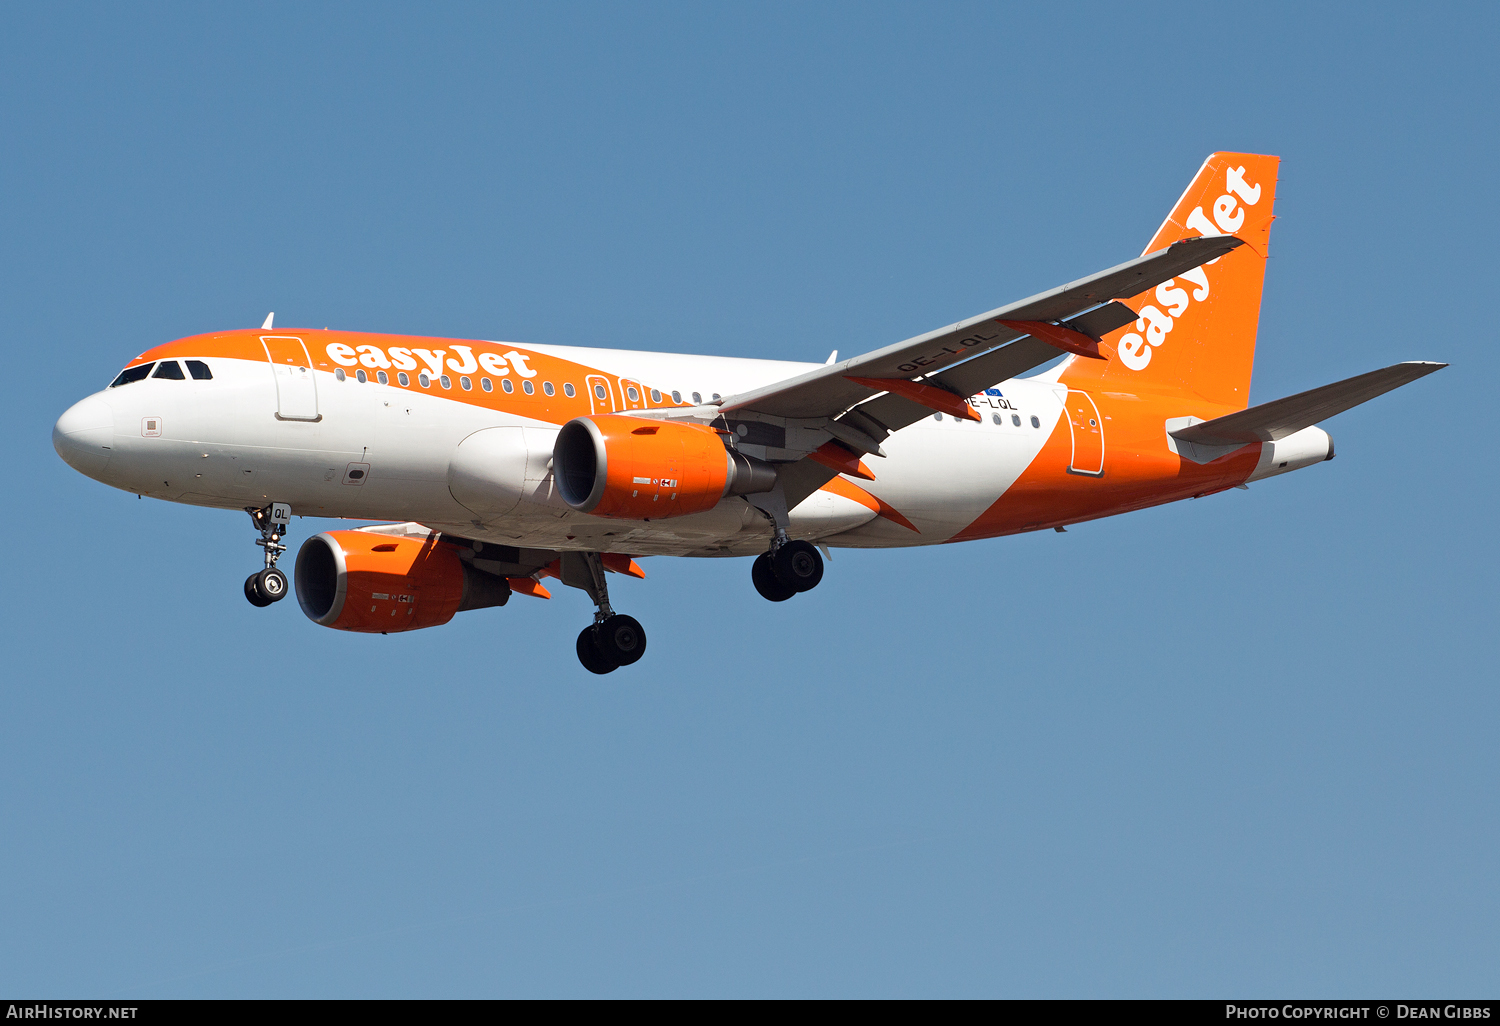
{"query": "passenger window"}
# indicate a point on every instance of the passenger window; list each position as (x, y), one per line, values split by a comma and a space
(1036, 422)
(199, 370)
(599, 392)
(447, 382)
(339, 375)
(655, 396)
(169, 369)
(568, 390)
(547, 387)
(505, 384)
(528, 387)
(1015, 418)
(999, 419)
(360, 376)
(403, 378)
(382, 377)
(677, 397)
(132, 375)
(423, 379)
(632, 394)
(716, 397)
(937, 416)
(485, 384)
(465, 383)
(697, 399)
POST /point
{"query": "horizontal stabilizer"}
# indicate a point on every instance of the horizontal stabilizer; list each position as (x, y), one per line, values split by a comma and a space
(1275, 420)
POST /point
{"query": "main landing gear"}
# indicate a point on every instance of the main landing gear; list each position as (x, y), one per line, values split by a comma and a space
(269, 585)
(790, 567)
(613, 639)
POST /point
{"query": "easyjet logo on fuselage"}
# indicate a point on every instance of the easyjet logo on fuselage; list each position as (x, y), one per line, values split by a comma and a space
(1156, 322)
(404, 358)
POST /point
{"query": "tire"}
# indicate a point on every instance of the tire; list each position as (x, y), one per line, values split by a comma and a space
(589, 655)
(766, 582)
(272, 584)
(622, 639)
(252, 591)
(798, 566)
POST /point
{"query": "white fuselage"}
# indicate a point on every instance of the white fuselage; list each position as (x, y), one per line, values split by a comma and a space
(383, 452)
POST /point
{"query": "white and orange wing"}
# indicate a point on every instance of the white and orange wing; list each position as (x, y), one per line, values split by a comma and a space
(969, 356)
(841, 411)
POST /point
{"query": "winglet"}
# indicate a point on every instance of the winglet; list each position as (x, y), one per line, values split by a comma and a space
(269, 318)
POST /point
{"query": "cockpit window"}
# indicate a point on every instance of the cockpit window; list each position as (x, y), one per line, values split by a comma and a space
(199, 370)
(131, 374)
(169, 369)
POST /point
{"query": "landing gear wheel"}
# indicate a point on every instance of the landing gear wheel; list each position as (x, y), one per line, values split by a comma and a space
(766, 582)
(252, 591)
(589, 655)
(272, 584)
(621, 638)
(797, 565)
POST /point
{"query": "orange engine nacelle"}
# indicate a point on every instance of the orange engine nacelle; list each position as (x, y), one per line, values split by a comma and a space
(379, 584)
(634, 469)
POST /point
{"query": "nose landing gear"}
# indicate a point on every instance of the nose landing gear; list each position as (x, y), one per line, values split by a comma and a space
(269, 585)
(266, 586)
(613, 639)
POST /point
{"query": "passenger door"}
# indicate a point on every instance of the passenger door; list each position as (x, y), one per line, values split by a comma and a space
(1088, 435)
(296, 392)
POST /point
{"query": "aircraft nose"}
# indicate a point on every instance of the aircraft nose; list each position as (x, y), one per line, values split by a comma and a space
(84, 435)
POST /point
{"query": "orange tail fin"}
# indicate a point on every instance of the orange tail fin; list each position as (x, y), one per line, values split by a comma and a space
(1196, 332)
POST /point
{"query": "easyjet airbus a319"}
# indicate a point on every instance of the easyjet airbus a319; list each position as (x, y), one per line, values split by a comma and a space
(504, 465)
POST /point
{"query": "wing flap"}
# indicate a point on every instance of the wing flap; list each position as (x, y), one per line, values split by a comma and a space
(1271, 421)
(1098, 323)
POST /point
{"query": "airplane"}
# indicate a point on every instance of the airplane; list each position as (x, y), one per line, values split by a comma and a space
(495, 466)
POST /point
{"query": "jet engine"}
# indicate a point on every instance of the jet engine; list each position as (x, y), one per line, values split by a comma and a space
(380, 584)
(629, 468)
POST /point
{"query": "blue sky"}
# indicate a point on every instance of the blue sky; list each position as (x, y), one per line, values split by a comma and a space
(1238, 746)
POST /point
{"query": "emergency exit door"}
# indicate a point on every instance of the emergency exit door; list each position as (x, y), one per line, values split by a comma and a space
(601, 395)
(296, 392)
